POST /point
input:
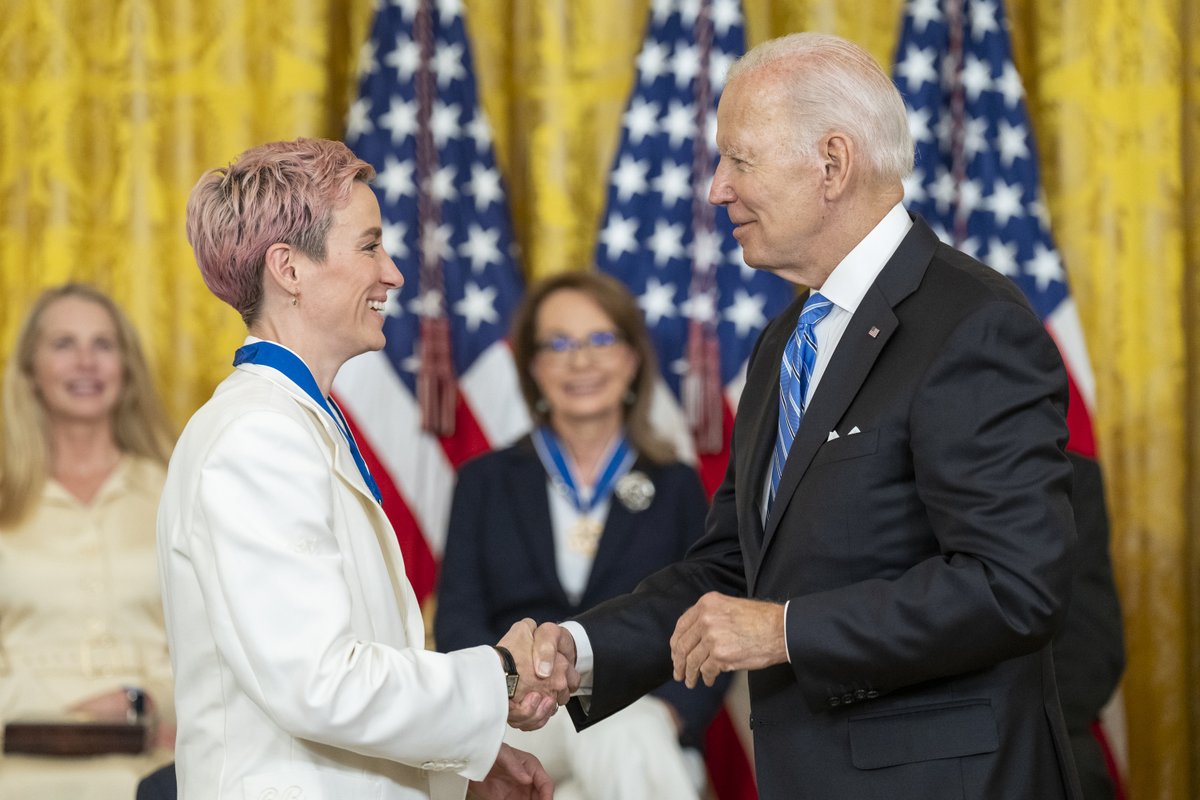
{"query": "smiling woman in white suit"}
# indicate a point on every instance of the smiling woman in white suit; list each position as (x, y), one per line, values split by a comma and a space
(296, 639)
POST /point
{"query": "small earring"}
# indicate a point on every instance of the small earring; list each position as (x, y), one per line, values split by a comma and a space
(630, 397)
(541, 406)
(293, 299)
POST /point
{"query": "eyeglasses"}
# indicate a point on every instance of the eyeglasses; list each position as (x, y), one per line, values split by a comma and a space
(595, 343)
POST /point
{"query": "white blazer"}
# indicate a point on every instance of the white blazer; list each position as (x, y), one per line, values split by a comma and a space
(296, 639)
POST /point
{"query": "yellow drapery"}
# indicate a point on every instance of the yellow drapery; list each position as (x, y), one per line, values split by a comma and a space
(109, 111)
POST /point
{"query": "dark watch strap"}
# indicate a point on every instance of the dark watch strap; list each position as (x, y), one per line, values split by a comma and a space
(510, 669)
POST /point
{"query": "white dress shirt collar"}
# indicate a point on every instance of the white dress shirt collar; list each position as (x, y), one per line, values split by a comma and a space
(850, 279)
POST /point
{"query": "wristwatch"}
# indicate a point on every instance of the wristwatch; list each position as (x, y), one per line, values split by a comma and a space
(135, 698)
(510, 670)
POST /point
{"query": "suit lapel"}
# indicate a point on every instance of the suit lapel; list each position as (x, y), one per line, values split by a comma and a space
(343, 459)
(873, 324)
(410, 605)
(621, 526)
(527, 479)
(347, 472)
(385, 535)
(759, 405)
(852, 362)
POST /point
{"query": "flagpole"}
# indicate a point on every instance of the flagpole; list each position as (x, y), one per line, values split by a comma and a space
(953, 74)
(436, 384)
(702, 384)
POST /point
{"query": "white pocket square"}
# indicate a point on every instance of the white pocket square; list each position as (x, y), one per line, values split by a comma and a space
(853, 431)
(832, 435)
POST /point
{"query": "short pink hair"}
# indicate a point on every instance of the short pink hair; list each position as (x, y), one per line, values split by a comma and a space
(276, 192)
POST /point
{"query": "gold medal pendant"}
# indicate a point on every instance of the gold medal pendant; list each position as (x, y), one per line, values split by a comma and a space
(584, 536)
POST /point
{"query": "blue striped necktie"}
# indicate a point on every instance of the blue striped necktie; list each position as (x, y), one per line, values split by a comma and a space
(795, 372)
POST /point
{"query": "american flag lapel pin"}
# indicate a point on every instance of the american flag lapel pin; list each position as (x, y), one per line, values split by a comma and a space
(873, 332)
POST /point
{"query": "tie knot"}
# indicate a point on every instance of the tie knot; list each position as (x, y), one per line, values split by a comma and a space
(815, 309)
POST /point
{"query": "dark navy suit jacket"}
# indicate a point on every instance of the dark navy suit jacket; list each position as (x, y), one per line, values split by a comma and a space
(499, 562)
(159, 785)
(1089, 649)
(926, 551)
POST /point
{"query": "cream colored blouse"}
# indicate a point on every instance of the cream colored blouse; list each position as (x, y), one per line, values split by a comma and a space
(80, 608)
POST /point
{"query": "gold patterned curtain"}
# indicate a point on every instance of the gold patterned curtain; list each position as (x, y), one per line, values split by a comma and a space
(109, 112)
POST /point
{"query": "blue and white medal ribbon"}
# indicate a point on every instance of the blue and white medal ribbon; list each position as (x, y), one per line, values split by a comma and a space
(284, 361)
(584, 536)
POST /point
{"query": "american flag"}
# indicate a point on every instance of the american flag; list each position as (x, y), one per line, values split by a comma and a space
(417, 410)
(977, 184)
(660, 236)
(976, 179)
(676, 252)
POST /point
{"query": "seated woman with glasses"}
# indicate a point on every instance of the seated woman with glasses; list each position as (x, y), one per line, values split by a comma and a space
(577, 512)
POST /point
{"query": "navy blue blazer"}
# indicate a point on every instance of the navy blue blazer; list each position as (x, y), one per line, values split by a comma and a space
(499, 562)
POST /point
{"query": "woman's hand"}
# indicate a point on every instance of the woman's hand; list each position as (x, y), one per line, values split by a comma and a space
(111, 706)
(163, 737)
(516, 775)
(114, 706)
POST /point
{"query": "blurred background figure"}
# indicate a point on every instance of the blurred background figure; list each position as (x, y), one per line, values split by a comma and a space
(577, 512)
(84, 444)
(1089, 648)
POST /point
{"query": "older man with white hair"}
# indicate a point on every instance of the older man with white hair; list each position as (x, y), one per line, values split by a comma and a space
(890, 552)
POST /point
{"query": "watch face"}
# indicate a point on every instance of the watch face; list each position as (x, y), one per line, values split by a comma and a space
(512, 685)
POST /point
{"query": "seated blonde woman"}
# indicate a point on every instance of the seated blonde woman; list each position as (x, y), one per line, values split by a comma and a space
(83, 445)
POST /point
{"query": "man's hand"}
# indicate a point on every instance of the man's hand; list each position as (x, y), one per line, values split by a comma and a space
(552, 645)
(539, 693)
(722, 633)
(516, 775)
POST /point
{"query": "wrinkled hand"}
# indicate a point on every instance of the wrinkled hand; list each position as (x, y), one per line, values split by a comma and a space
(722, 633)
(553, 647)
(539, 693)
(516, 775)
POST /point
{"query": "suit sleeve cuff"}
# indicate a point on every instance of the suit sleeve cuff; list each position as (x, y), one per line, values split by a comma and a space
(583, 656)
(786, 647)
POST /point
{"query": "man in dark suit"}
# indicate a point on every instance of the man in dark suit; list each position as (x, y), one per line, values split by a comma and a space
(890, 552)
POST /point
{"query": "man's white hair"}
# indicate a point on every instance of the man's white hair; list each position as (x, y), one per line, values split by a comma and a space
(833, 84)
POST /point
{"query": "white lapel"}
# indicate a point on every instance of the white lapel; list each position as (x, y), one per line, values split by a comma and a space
(347, 472)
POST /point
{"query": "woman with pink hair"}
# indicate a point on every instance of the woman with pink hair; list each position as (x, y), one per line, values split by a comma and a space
(297, 640)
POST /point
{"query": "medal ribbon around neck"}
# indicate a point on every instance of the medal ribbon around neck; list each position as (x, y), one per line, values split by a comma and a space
(555, 462)
(284, 361)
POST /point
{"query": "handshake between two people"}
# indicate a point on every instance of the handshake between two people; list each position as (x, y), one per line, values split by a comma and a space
(547, 684)
(718, 634)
